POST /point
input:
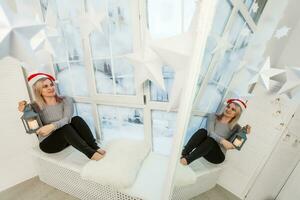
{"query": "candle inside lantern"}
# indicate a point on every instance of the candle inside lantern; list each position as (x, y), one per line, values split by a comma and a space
(33, 124)
(238, 142)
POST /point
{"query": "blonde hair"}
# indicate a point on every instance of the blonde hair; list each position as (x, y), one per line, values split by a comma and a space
(236, 118)
(37, 91)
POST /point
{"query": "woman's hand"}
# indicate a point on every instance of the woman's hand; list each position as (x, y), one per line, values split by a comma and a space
(227, 145)
(45, 130)
(22, 105)
(248, 128)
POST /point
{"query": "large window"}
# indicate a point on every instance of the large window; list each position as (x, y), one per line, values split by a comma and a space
(94, 69)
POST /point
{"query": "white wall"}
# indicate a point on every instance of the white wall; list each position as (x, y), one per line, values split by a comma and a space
(243, 167)
(16, 163)
(284, 51)
(291, 189)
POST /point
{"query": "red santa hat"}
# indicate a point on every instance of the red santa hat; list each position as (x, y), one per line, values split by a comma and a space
(239, 102)
(33, 78)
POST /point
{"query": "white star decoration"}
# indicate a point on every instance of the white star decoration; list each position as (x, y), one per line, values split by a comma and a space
(148, 66)
(90, 21)
(175, 52)
(266, 73)
(292, 81)
(283, 31)
(15, 34)
(12, 4)
(223, 45)
(255, 7)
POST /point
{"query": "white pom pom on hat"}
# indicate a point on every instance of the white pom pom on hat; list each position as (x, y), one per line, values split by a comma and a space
(240, 102)
(33, 78)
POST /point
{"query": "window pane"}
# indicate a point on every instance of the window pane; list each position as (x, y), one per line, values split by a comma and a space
(84, 110)
(210, 100)
(195, 123)
(164, 18)
(222, 15)
(163, 129)
(124, 77)
(100, 42)
(120, 26)
(239, 37)
(158, 94)
(62, 72)
(79, 79)
(72, 80)
(248, 3)
(72, 39)
(223, 11)
(118, 122)
(69, 8)
(256, 15)
(103, 75)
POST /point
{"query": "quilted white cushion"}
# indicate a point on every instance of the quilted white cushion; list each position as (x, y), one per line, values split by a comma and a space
(120, 166)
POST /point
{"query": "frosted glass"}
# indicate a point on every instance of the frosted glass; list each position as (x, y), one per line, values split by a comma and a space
(248, 3)
(120, 17)
(223, 11)
(164, 18)
(195, 123)
(72, 40)
(100, 42)
(163, 129)
(124, 77)
(103, 76)
(221, 17)
(84, 110)
(210, 99)
(72, 80)
(256, 15)
(69, 8)
(119, 122)
(231, 59)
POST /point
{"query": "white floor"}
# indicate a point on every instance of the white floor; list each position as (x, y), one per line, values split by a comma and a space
(34, 189)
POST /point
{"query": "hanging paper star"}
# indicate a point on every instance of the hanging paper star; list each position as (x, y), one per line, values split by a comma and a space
(12, 4)
(46, 38)
(283, 31)
(15, 34)
(266, 73)
(148, 66)
(255, 7)
(223, 45)
(175, 52)
(245, 31)
(90, 21)
(292, 81)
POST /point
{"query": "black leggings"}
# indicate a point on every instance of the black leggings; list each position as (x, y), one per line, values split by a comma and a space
(77, 133)
(202, 145)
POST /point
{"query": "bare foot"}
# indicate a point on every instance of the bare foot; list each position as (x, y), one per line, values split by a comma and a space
(101, 151)
(183, 161)
(97, 156)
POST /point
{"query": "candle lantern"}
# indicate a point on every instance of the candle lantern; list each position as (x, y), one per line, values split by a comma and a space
(239, 138)
(31, 120)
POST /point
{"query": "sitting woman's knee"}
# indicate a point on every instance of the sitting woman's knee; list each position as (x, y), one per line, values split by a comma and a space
(76, 119)
(202, 130)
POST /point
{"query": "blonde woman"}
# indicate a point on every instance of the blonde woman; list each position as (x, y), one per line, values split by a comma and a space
(212, 143)
(60, 129)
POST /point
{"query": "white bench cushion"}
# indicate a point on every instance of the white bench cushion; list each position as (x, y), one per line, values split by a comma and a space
(120, 166)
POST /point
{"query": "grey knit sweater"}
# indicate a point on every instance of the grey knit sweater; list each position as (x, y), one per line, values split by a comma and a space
(218, 130)
(58, 115)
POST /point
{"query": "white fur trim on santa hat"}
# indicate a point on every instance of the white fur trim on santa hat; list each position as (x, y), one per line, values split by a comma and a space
(239, 102)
